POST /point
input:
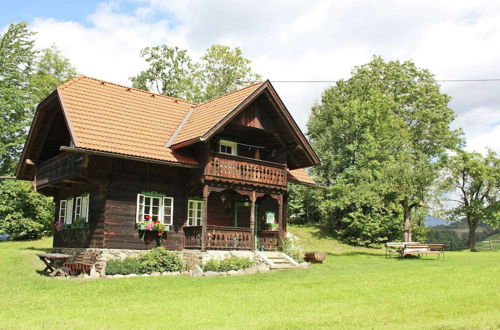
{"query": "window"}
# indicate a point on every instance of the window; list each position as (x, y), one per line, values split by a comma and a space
(72, 208)
(195, 211)
(228, 147)
(62, 210)
(157, 207)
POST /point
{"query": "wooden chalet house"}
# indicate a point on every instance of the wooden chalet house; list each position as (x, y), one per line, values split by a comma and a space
(213, 175)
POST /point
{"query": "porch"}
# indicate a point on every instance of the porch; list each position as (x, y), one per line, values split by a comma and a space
(237, 220)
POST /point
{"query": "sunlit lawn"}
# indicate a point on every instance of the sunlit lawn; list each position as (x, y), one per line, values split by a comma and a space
(354, 288)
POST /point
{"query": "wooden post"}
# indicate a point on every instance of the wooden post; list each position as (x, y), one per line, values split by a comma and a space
(280, 218)
(204, 219)
(491, 245)
(252, 219)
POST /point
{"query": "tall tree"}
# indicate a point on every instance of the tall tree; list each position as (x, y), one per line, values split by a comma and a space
(17, 58)
(381, 135)
(170, 72)
(475, 179)
(52, 69)
(223, 70)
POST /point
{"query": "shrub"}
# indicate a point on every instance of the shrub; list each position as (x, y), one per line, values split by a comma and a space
(190, 261)
(292, 248)
(212, 265)
(24, 213)
(160, 260)
(124, 267)
(232, 263)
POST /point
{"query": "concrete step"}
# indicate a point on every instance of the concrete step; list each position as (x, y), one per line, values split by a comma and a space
(278, 260)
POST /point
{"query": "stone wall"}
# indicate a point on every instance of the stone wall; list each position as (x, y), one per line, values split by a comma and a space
(107, 254)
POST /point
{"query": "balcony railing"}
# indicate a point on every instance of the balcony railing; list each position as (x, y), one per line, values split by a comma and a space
(219, 238)
(63, 166)
(268, 240)
(246, 171)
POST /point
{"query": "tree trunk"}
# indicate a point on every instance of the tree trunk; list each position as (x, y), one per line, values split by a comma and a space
(472, 234)
(407, 223)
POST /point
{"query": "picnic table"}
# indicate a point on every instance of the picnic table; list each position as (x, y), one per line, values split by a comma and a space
(404, 249)
(53, 261)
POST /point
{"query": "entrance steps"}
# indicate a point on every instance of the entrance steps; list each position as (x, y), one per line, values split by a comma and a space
(278, 260)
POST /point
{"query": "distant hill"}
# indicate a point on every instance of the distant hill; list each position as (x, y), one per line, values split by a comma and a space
(432, 222)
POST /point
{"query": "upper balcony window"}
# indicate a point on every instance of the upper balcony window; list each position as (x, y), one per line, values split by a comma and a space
(228, 147)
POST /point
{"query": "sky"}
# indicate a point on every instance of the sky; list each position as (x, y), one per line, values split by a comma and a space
(289, 40)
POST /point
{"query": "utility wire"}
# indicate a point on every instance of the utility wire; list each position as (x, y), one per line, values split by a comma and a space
(373, 81)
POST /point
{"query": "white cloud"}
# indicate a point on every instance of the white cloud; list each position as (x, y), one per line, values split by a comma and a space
(298, 40)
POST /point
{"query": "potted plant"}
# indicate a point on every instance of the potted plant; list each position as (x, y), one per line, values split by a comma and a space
(152, 226)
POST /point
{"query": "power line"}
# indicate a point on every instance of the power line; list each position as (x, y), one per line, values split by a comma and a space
(374, 81)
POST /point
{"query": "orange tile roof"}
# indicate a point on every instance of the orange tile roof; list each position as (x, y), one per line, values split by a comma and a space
(208, 114)
(300, 175)
(112, 118)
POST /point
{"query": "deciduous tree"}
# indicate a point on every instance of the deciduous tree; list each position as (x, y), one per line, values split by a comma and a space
(475, 179)
(380, 135)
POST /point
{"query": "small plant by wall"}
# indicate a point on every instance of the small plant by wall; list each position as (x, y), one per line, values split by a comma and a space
(225, 265)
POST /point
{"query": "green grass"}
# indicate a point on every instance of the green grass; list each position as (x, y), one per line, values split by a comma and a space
(355, 288)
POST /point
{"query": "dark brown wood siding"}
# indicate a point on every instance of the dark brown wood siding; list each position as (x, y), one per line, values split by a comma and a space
(126, 181)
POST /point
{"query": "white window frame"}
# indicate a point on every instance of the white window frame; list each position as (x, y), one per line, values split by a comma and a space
(230, 144)
(63, 204)
(85, 206)
(167, 220)
(162, 216)
(78, 207)
(69, 211)
(74, 207)
(195, 207)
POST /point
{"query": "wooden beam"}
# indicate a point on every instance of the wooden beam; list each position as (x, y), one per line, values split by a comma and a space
(204, 218)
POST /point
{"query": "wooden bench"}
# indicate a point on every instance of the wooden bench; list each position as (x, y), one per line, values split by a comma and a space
(82, 263)
(422, 249)
(395, 247)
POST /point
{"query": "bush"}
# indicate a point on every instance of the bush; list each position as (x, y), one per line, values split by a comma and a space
(292, 248)
(160, 260)
(24, 213)
(124, 267)
(190, 261)
(232, 263)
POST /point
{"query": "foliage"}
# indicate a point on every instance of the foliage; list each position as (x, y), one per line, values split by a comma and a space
(17, 60)
(126, 266)
(303, 204)
(52, 69)
(381, 136)
(190, 261)
(160, 260)
(24, 214)
(475, 179)
(291, 247)
(25, 78)
(221, 71)
(171, 72)
(225, 265)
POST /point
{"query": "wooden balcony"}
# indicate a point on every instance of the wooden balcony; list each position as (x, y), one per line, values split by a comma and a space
(57, 169)
(245, 170)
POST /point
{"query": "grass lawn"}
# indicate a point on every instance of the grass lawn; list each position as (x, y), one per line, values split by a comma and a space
(354, 288)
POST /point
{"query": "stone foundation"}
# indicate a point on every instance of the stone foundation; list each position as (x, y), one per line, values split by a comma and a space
(107, 254)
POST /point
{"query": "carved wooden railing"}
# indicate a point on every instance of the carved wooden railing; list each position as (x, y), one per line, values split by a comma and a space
(63, 166)
(230, 238)
(268, 240)
(192, 237)
(250, 170)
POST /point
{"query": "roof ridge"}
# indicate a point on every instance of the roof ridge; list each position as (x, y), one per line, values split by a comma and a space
(236, 90)
(132, 88)
(71, 81)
